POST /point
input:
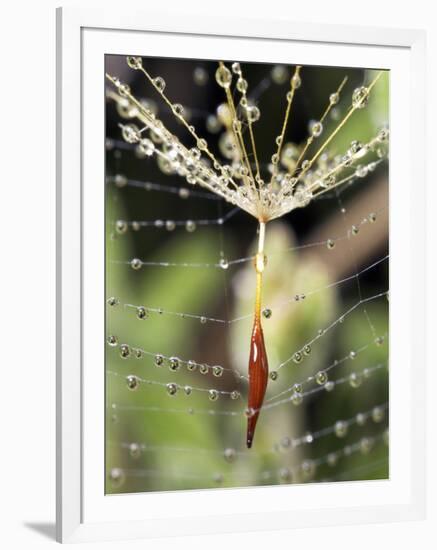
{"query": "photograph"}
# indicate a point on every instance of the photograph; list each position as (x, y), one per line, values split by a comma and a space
(246, 273)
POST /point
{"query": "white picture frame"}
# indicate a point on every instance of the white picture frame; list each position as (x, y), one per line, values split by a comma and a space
(83, 512)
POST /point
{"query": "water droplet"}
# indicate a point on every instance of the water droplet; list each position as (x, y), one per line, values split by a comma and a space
(112, 301)
(203, 369)
(134, 450)
(296, 81)
(147, 147)
(134, 62)
(200, 76)
(142, 313)
(383, 134)
(213, 395)
(136, 226)
(360, 419)
(190, 226)
(273, 375)
(306, 164)
(131, 133)
(138, 353)
(188, 390)
(330, 244)
(316, 128)
(171, 389)
(120, 227)
(379, 341)
(174, 363)
(334, 98)
(329, 386)
(223, 76)
(230, 454)
(267, 313)
(340, 428)
(321, 377)
(202, 144)
(124, 351)
(116, 477)
(217, 371)
(361, 171)
(352, 354)
(203, 320)
(120, 180)
(307, 349)
(296, 398)
(223, 263)
(360, 97)
(170, 225)
(218, 478)
(297, 357)
(297, 388)
(366, 445)
(279, 74)
(191, 365)
(112, 340)
(177, 109)
(136, 264)
(235, 395)
(132, 382)
(308, 468)
(159, 360)
(285, 475)
(253, 113)
(378, 414)
(184, 193)
(332, 459)
(159, 83)
(242, 85)
(355, 379)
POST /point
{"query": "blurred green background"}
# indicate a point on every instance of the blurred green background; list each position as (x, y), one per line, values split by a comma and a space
(155, 441)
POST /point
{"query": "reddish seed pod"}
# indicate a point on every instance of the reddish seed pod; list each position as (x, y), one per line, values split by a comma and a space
(258, 376)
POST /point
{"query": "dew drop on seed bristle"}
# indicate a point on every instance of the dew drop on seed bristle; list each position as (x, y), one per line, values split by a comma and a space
(360, 97)
(223, 76)
(134, 62)
(273, 375)
(159, 83)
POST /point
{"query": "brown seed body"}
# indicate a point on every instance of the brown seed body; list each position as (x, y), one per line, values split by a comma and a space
(258, 376)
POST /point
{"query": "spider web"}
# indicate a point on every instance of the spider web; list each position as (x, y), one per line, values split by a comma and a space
(180, 288)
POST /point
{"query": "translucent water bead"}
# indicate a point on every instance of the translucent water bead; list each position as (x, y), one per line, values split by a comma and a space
(223, 76)
(360, 97)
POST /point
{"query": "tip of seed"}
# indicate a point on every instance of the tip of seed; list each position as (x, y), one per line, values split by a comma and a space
(249, 441)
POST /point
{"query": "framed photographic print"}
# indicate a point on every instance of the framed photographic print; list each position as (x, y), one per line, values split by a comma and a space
(240, 229)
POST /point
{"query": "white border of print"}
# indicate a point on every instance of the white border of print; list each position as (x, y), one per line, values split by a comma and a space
(84, 513)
